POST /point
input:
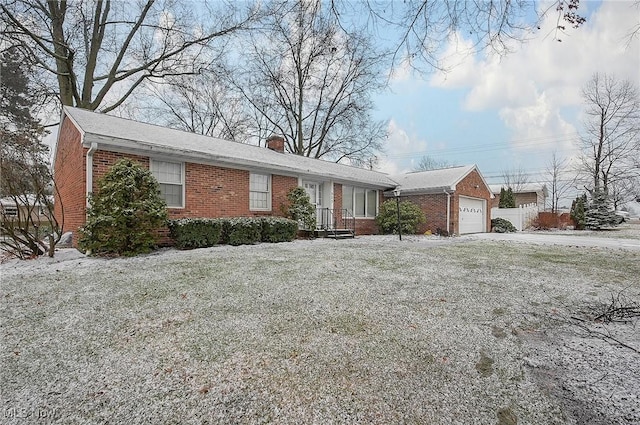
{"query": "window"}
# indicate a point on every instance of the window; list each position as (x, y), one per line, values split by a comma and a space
(171, 178)
(259, 192)
(360, 202)
(10, 211)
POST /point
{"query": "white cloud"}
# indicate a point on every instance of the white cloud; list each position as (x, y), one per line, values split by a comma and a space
(400, 146)
(539, 125)
(531, 86)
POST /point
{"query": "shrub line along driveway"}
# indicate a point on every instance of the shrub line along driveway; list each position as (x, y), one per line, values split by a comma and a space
(438, 331)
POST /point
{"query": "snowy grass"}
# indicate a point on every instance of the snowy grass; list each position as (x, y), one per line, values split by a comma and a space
(627, 230)
(371, 330)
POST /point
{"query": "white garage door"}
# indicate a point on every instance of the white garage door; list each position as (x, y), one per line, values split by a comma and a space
(472, 215)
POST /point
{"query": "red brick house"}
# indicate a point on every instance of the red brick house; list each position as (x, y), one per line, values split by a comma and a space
(455, 200)
(201, 176)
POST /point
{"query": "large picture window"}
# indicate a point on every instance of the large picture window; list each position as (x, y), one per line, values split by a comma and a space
(259, 192)
(170, 176)
(361, 202)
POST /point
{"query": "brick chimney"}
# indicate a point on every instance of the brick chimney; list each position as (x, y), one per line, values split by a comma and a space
(276, 143)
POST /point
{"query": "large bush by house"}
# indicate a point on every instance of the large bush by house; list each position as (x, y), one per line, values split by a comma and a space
(301, 209)
(410, 217)
(125, 212)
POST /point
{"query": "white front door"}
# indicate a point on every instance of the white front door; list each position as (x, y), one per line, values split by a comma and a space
(314, 190)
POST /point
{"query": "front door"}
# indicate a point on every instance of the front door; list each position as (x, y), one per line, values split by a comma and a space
(314, 190)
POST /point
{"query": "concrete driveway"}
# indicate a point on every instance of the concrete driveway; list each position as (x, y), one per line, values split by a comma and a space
(559, 238)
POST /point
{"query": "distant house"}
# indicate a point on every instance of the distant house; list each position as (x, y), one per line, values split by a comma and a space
(455, 200)
(526, 194)
(24, 210)
(201, 176)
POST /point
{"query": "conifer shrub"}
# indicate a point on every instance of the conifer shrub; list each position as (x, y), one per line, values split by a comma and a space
(301, 209)
(507, 198)
(410, 217)
(278, 229)
(502, 225)
(189, 233)
(578, 211)
(125, 212)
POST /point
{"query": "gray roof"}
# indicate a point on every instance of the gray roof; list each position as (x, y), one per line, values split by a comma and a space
(432, 181)
(523, 188)
(126, 135)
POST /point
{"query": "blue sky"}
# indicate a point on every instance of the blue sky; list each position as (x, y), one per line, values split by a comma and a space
(509, 112)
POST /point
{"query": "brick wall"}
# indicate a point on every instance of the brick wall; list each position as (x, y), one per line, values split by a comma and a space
(104, 160)
(211, 191)
(434, 207)
(70, 177)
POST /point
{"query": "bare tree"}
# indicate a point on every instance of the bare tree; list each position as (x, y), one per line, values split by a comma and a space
(611, 141)
(312, 84)
(424, 26)
(25, 178)
(202, 104)
(558, 179)
(101, 51)
(427, 163)
(515, 178)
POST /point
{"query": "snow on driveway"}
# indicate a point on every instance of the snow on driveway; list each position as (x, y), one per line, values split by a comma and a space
(548, 238)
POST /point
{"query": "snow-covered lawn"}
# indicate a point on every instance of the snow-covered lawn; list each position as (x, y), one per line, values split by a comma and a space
(371, 330)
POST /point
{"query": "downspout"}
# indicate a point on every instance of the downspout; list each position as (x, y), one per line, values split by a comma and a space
(448, 211)
(92, 149)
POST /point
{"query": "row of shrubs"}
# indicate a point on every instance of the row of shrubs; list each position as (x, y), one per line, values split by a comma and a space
(189, 233)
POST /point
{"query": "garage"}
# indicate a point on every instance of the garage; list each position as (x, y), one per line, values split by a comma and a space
(454, 200)
(472, 215)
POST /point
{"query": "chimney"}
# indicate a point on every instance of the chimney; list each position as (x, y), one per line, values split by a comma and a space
(276, 143)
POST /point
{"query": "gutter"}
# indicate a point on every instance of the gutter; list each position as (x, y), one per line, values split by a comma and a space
(448, 211)
(89, 189)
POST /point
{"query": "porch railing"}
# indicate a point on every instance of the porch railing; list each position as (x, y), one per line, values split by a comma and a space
(333, 220)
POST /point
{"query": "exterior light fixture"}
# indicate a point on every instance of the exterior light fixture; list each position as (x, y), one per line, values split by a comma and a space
(396, 193)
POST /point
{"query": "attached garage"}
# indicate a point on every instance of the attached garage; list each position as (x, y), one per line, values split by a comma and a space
(455, 200)
(471, 215)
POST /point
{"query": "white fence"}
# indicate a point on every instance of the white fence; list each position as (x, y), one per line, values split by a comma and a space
(520, 217)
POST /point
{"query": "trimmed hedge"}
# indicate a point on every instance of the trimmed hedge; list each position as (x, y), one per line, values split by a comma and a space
(189, 233)
(241, 231)
(278, 229)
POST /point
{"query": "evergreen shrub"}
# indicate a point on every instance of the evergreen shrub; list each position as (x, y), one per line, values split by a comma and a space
(189, 233)
(301, 209)
(502, 225)
(125, 212)
(410, 216)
